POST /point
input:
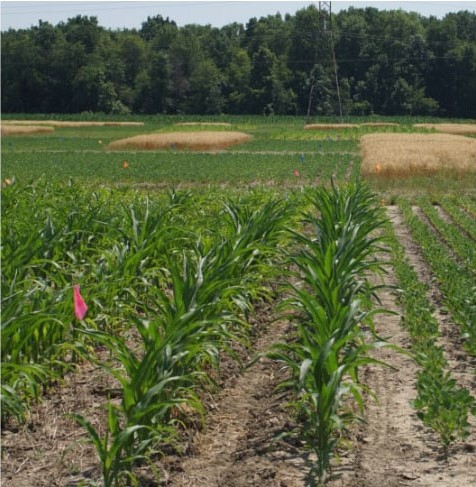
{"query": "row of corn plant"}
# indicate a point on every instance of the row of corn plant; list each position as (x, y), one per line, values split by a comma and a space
(36, 311)
(112, 242)
(441, 404)
(331, 307)
(457, 283)
(199, 311)
(463, 246)
(54, 236)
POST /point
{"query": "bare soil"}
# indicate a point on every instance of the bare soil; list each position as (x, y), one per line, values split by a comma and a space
(249, 439)
(241, 445)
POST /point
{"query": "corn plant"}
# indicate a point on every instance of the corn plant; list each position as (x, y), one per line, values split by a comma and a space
(52, 237)
(143, 273)
(332, 342)
(195, 314)
(113, 452)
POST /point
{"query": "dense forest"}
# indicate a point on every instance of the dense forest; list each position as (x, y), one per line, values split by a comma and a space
(388, 63)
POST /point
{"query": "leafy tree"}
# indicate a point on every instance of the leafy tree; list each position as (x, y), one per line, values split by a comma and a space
(388, 62)
(83, 30)
(153, 87)
(322, 92)
(204, 94)
(159, 29)
(86, 87)
(237, 79)
(132, 54)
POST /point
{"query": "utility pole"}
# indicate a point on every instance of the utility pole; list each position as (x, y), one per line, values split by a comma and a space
(325, 27)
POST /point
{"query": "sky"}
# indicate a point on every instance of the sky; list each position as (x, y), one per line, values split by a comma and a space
(131, 14)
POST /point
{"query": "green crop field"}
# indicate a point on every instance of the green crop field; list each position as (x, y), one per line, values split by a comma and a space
(280, 152)
(144, 292)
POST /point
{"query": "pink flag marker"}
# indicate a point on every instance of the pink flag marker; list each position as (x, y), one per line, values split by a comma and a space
(80, 307)
(296, 172)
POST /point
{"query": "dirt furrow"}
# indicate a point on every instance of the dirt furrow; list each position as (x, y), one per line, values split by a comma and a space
(238, 448)
(392, 443)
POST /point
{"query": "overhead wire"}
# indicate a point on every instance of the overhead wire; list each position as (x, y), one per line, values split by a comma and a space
(247, 37)
(301, 33)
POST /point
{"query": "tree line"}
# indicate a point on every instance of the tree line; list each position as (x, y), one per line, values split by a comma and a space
(387, 62)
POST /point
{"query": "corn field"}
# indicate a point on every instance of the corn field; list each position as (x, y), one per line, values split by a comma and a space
(157, 290)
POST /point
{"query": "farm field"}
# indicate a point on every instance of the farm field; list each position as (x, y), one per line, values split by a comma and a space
(225, 317)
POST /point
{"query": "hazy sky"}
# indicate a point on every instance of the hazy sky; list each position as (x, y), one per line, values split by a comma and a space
(127, 14)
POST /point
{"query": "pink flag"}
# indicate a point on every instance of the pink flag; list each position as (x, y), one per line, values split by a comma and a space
(80, 307)
(296, 172)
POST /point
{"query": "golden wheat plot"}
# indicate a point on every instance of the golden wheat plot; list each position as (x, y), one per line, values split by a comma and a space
(58, 123)
(204, 140)
(24, 130)
(330, 126)
(212, 124)
(450, 128)
(403, 155)
(380, 124)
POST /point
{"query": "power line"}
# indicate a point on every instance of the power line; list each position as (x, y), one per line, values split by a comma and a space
(84, 7)
(335, 63)
(297, 62)
(284, 35)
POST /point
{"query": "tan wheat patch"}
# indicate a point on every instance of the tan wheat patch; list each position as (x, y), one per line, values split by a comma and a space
(206, 140)
(24, 130)
(406, 155)
(380, 124)
(330, 126)
(205, 124)
(450, 128)
(58, 123)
